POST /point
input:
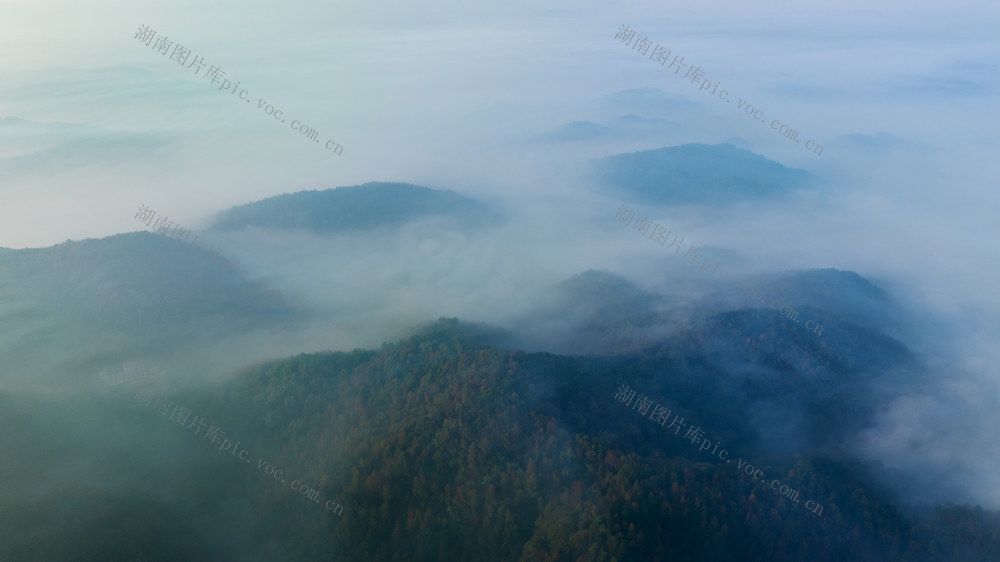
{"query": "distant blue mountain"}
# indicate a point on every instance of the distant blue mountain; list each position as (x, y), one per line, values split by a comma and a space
(580, 130)
(696, 174)
(360, 207)
(648, 102)
(625, 126)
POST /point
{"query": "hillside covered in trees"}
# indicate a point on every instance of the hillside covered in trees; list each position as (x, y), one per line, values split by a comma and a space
(447, 447)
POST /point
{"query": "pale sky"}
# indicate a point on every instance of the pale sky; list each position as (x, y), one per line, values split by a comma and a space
(431, 90)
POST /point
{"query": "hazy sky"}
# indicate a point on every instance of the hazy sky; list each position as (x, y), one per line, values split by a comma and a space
(97, 122)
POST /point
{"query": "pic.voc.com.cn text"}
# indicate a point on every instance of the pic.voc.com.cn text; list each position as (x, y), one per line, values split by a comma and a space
(661, 234)
(166, 227)
(662, 55)
(694, 434)
(180, 415)
(179, 54)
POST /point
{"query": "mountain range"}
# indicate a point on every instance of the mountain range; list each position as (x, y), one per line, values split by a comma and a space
(459, 440)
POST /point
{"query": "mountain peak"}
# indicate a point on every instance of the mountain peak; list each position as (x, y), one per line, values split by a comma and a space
(697, 173)
(352, 208)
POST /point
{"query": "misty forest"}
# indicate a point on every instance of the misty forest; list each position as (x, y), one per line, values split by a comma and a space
(628, 324)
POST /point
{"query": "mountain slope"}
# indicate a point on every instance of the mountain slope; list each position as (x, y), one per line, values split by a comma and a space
(443, 447)
(360, 207)
(594, 312)
(696, 174)
(90, 302)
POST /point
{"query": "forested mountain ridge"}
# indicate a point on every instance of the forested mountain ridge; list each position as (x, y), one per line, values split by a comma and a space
(356, 208)
(444, 444)
(443, 447)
